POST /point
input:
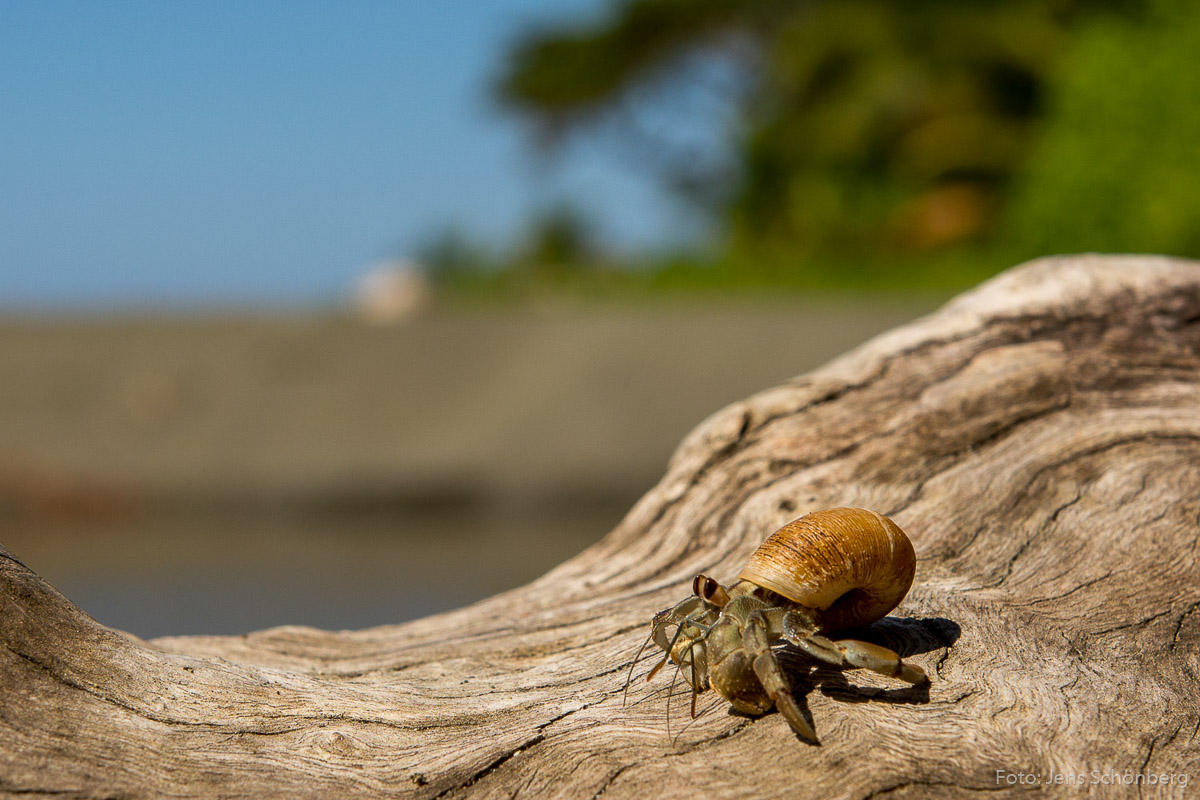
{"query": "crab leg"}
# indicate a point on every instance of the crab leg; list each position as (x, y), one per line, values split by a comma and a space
(854, 653)
(879, 659)
(766, 667)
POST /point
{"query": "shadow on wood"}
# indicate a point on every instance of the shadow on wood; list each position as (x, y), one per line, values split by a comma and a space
(1039, 440)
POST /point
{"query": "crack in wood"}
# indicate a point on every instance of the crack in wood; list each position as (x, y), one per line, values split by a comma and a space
(495, 765)
(902, 785)
(1179, 623)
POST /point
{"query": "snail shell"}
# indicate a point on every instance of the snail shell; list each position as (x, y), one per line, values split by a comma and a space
(852, 566)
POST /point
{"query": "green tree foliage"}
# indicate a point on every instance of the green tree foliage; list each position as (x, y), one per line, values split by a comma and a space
(451, 256)
(861, 126)
(1117, 166)
(560, 242)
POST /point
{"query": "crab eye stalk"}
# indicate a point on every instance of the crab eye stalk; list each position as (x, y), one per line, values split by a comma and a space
(710, 591)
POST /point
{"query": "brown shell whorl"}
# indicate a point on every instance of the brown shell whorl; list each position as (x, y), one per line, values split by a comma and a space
(852, 565)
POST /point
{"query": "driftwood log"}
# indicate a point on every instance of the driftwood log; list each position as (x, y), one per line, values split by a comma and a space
(1039, 439)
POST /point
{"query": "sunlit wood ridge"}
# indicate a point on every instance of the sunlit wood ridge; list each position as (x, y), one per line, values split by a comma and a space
(1038, 440)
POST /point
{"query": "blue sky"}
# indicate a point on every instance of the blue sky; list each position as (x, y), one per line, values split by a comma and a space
(267, 152)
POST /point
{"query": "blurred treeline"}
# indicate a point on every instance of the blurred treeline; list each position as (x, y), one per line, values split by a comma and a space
(865, 142)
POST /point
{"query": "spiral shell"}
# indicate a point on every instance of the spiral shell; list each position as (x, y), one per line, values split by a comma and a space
(851, 565)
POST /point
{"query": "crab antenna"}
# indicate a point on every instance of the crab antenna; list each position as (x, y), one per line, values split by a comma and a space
(670, 691)
(670, 646)
(695, 680)
(654, 670)
(632, 664)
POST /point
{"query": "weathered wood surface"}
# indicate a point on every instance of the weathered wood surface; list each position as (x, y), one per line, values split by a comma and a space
(1039, 439)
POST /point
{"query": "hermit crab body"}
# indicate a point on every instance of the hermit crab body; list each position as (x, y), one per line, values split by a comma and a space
(829, 570)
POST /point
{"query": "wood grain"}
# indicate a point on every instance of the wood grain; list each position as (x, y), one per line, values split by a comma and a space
(1039, 440)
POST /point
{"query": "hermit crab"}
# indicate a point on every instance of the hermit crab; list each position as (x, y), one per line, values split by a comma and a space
(828, 570)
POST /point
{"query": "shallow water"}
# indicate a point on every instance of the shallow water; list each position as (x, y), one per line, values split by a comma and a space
(226, 474)
(213, 574)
